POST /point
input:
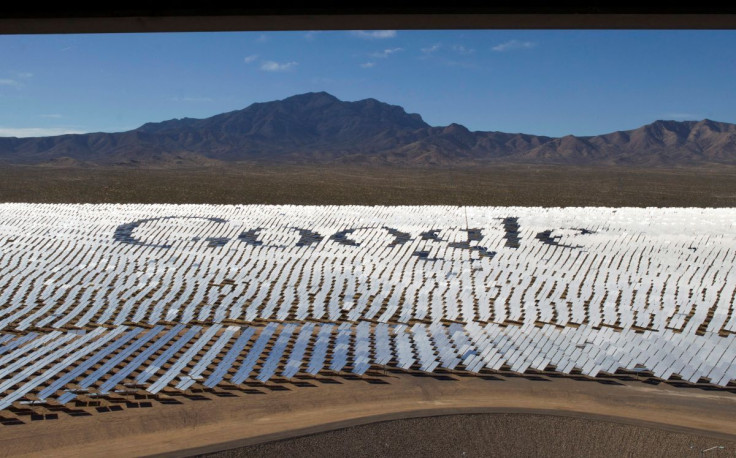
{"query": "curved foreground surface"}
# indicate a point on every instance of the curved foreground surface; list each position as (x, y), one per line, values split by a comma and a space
(509, 435)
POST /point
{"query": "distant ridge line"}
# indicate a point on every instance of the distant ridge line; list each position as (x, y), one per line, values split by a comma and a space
(319, 128)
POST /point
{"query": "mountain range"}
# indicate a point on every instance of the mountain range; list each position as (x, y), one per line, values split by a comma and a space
(318, 127)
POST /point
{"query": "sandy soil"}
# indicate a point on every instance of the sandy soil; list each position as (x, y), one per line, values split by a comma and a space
(509, 435)
(248, 418)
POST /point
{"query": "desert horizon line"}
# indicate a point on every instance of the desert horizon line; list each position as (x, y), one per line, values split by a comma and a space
(63, 131)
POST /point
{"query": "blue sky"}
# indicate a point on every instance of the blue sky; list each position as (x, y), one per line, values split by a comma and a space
(540, 82)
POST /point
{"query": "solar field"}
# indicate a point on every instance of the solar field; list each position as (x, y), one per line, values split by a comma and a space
(107, 299)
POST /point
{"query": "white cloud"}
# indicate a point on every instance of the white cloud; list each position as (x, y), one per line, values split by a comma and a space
(460, 49)
(251, 58)
(191, 99)
(431, 49)
(372, 34)
(16, 82)
(514, 44)
(262, 38)
(271, 66)
(36, 131)
(368, 64)
(53, 116)
(386, 52)
(311, 34)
